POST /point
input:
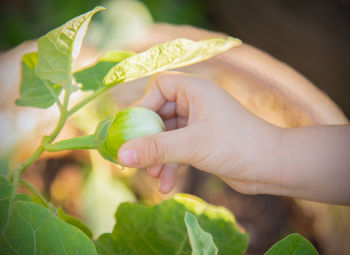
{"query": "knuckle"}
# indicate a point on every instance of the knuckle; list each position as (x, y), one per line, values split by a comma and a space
(155, 151)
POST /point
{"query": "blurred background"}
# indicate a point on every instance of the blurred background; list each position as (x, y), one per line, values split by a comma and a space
(310, 36)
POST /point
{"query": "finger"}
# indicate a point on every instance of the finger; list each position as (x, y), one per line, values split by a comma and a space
(165, 147)
(175, 123)
(170, 87)
(167, 178)
(155, 170)
(167, 111)
(244, 187)
(153, 98)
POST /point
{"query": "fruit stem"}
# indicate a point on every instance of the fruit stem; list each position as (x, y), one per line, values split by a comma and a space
(76, 143)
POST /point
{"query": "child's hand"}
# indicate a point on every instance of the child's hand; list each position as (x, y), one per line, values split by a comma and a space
(208, 129)
(211, 131)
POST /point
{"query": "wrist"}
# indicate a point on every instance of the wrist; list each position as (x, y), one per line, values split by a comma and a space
(315, 163)
(258, 165)
(270, 176)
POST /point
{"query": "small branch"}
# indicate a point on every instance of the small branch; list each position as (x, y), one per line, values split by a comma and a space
(30, 160)
(12, 196)
(65, 114)
(63, 117)
(59, 105)
(51, 137)
(22, 167)
(87, 99)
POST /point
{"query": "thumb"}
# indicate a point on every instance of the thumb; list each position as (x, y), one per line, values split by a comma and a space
(174, 146)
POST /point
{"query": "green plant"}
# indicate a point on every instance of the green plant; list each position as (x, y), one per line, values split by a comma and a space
(181, 225)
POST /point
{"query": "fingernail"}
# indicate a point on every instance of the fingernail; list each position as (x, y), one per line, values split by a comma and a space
(128, 158)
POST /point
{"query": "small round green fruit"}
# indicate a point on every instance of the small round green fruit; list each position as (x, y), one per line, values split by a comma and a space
(127, 124)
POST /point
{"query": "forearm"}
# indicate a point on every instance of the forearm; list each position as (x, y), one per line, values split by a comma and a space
(315, 163)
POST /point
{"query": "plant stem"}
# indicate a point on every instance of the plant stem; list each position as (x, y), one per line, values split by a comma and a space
(12, 196)
(51, 137)
(65, 114)
(30, 160)
(87, 99)
(15, 184)
(63, 117)
(34, 192)
(75, 143)
(59, 105)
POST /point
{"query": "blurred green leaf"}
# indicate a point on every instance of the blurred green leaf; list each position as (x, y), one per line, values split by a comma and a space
(101, 196)
(189, 12)
(161, 229)
(124, 22)
(293, 244)
(202, 242)
(23, 197)
(32, 229)
(27, 20)
(168, 55)
(29, 228)
(59, 47)
(91, 78)
(34, 91)
(5, 193)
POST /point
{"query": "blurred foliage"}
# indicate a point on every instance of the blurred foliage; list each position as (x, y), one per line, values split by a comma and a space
(123, 22)
(22, 20)
(192, 12)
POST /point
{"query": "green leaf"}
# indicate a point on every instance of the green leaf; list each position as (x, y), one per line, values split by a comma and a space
(74, 221)
(161, 229)
(116, 56)
(169, 55)
(92, 78)
(294, 244)
(59, 47)
(23, 197)
(32, 229)
(5, 165)
(34, 91)
(202, 242)
(5, 193)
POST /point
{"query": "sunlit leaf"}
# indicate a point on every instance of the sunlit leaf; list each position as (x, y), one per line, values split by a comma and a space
(91, 78)
(161, 229)
(59, 47)
(169, 55)
(202, 242)
(294, 244)
(116, 56)
(34, 91)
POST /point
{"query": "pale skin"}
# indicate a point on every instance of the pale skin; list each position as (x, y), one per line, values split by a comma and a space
(208, 129)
